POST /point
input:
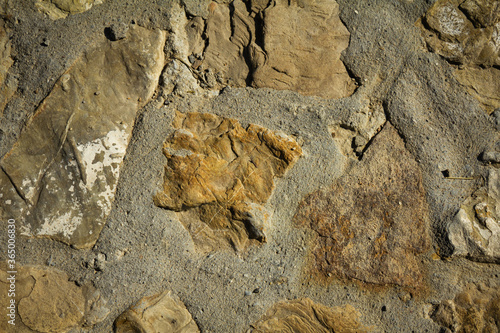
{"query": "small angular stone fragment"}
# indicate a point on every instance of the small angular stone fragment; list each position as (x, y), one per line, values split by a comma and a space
(60, 177)
(305, 316)
(371, 225)
(162, 312)
(475, 230)
(222, 174)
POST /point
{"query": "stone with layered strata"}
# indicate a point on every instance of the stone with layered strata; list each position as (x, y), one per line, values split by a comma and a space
(219, 176)
(60, 177)
(371, 225)
(303, 315)
(163, 312)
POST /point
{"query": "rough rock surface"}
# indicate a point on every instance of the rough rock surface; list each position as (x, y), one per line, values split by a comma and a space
(61, 175)
(475, 309)
(305, 316)
(372, 224)
(58, 9)
(8, 84)
(475, 231)
(224, 174)
(162, 312)
(144, 249)
(46, 301)
(281, 45)
(467, 33)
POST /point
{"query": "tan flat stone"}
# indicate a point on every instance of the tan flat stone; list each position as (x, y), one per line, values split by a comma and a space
(60, 177)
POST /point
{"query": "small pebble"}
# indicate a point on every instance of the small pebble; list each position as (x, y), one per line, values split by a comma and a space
(256, 290)
(248, 293)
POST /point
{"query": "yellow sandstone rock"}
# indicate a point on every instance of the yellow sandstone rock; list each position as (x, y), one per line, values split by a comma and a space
(223, 173)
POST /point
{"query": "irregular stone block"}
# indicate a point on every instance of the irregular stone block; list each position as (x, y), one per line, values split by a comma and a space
(58, 9)
(60, 177)
(46, 301)
(162, 312)
(292, 45)
(475, 309)
(371, 225)
(302, 43)
(481, 83)
(221, 173)
(305, 316)
(467, 33)
(475, 231)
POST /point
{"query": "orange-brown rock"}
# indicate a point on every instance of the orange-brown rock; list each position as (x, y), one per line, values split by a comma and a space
(222, 174)
(305, 316)
(162, 312)
(475, 309)
(371, 225)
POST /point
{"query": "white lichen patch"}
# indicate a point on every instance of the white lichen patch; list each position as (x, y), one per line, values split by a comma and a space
(452, 21)
(103, 153)
(64, 224)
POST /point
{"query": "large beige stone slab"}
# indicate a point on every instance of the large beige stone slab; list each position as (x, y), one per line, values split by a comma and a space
(284, 45)
(371, 225)
(219, 175)
(162, 312)
(60, 177)
(305, 316)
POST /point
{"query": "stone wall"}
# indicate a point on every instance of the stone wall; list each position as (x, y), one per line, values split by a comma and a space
(249, 166)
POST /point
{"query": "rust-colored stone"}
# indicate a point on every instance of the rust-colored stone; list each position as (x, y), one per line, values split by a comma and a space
(371, 225)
